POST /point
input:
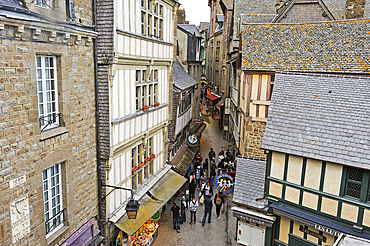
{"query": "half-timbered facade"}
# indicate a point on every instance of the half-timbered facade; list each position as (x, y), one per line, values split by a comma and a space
(135, 66)
(317, 137)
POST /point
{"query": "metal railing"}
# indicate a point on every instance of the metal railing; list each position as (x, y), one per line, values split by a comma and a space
(50, 119)
(55, 221)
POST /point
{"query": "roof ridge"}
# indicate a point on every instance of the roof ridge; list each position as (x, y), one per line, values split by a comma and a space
(325, 75)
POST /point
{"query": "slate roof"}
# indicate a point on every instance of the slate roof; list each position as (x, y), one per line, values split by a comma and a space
(228, 4)
(181, 79)
(250, 183)
(190, 28)
(333, 46)
(323, 117)
(203, 26)
(15, 4)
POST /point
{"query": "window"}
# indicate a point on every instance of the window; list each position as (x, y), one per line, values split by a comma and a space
(155, 27)
(155, 89)
(133, 155)
(149, 26)
(143, 3)
(160, 29)
(146, 88)
(143, 95)
(161, 10)
(149, 6)
(151, 171)
(44, 3)
(143, 23)
(137, 98)
(140, 177)
(150, 98)
(150, 146)
(53, 202)
(138, 75)
(354, 181)
(138, 153)
(47, 91)
(155, 75)
(133, 182)
(151, 21)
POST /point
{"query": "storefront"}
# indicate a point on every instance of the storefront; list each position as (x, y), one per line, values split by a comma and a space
(144, 229)
(253, 228)
(294, 227)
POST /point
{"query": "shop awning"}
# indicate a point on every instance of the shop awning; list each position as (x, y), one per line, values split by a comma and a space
(200, 129)
(211, 97)
(219, 104)
(184, 163)
(161, 192)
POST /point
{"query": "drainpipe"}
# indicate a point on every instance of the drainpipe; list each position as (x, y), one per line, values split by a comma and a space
(97, 105)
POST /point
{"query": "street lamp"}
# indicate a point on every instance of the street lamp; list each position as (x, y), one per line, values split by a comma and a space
(132, 206)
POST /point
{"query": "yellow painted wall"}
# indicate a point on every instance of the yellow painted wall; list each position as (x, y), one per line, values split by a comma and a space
(310, 200)
(333, 177)
(313, 173)
(295, 169)
(277, 165)
(284, 229)
(366, 221)
(296, 230)
(292, 194)
(275, 189)
(329, 206)
(330, 240)
(349, 212)
(312, 238)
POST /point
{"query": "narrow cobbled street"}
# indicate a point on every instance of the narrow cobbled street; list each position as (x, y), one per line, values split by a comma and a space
(218, 233)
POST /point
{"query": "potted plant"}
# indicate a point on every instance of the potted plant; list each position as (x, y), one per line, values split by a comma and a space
(145, 108)
(156, 104)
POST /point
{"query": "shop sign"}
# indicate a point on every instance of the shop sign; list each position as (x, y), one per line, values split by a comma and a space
(227, 106)
(259, 222)
(197, 122)
(226, 122)
(230, 147)
(312, 233)
(19, 219)
(224, 183)
(327, 230)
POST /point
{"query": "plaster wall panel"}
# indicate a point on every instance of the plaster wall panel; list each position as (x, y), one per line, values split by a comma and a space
(121, 93)
(124, 166)
(119, 5)
(275, 189)
(277, 165)
(295, 169)
(313, 173)
(333, 177)
(155, 50)
(310, 200)
(254, 92)
(120, 43)
(132, 127)
(138, 124)
(144, 49)
(349, 212)
(126, 45)
(138, 47)
(144, 122)
(115, 134)
(292, 194)
(150, 49)
(296, 230)
(284, 229)
(150, 120)
(126, 16)
(329, 206)
(121, 132)
(114, 92)
(128, 164)
(127, 129)
(312, 238)
(366, 220)
(330, 240)
(155, 117)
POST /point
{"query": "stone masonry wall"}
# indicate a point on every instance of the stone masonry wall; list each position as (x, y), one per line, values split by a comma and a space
(253, 139)
(25, 150)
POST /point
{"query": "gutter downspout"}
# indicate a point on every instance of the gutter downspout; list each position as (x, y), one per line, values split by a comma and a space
(97, 111)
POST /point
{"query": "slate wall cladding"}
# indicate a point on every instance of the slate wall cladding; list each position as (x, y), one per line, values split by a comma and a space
(338, 46)
(22, 149)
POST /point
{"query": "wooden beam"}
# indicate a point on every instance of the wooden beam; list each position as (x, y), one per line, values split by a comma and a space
(259, 119)
(261, 102)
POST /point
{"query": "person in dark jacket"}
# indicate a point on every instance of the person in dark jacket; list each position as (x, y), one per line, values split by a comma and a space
(192, 184)
(207, 210)
(219, 201)
(205, 167)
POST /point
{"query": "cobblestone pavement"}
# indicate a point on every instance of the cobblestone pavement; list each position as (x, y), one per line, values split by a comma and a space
(221, 232)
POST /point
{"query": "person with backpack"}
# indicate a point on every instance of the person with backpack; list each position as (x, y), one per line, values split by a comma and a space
(184, 205)
(193, 204)
(219, 201)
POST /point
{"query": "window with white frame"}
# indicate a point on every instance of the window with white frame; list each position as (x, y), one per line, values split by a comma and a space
(139, 159)
(146, 88)
(133, 155)
(47, 93)
(150, 143)
(53, 199)
(151, 19)
(44, 4)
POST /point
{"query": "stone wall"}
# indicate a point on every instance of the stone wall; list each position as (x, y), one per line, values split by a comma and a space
(254, 132)
(25, 150)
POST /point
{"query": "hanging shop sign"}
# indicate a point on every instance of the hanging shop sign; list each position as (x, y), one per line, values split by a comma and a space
(312, 233)
(227, 106)
(226, 122)
(197, 122)
(224, 183)
(193, 139)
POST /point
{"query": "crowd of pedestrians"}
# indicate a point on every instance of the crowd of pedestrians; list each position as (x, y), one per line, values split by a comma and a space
(201, 177)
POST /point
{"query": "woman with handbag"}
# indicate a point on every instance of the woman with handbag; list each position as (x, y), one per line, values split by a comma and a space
(219, 202)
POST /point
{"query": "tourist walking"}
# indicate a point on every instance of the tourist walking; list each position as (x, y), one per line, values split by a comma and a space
(192, 184)
(193, 205)
(184, 205)
(198, 174)
(205, 168)
(219, 201)
(176, 215)
(207, 210)
(207, 190)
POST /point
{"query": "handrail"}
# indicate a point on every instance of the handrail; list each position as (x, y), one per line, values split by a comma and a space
(56, 221)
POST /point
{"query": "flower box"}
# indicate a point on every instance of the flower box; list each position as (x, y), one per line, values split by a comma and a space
(140, 164)
(146, 160)
(134, 169)
(145, 108)
(152, 156)
(156, 104)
